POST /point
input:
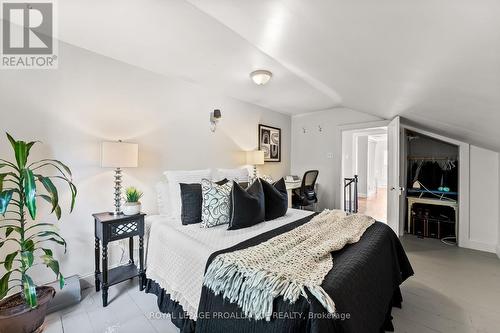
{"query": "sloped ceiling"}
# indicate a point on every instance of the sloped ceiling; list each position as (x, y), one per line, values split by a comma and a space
(436, 62)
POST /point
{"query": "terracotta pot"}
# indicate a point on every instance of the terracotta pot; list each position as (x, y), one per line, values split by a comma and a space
(20, 318)
(131, 208)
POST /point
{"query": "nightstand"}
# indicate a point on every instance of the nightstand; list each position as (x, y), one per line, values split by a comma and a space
(108, 228)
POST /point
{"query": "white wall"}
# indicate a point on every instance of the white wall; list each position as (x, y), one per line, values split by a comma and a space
(91, 98)
(362, 164)
(381, 163)
(321, 150)
(371, 179)
(498, 238)
(484, 198)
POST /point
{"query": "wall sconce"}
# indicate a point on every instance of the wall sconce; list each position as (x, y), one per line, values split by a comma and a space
(215, 116)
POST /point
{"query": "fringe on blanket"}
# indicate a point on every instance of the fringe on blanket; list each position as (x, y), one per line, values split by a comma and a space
(255, 291)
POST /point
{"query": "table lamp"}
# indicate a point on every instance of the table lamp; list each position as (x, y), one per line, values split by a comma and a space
(255, 157)
(119, 155)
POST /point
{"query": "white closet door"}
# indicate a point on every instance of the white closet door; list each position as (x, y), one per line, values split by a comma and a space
(393, 175)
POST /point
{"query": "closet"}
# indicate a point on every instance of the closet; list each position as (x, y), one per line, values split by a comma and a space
(432, 191)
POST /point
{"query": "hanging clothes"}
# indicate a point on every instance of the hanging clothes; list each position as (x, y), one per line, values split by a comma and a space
(434, 175)
(450, 179)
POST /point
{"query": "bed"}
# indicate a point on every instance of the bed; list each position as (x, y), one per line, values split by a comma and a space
(364, 281)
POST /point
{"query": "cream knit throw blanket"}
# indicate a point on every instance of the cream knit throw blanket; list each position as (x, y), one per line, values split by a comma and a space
(285, 265)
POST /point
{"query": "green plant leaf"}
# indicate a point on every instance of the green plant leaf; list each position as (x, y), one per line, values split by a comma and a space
(73, 195)
(58, 241)
(57, 210)
(29, 291)
(10, 228)
(52, 190)
(4, 285)
(57, 238)
(5, 198)
(54, 163)
(54, 266)
(2, 177)
(73, 189)
(9, 259)
(11, 139)
(30, 144)
(29, 245)
(51, 263)
(27, 258)
(37, 225)
(48, 252)
(29, 191)
(21, 152)
(61, 281)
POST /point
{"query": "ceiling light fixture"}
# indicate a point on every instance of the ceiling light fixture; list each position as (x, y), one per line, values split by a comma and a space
(261, 77)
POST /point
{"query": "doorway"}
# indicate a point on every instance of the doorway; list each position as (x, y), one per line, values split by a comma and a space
(398, 184)
(365, 155)
(431, 170)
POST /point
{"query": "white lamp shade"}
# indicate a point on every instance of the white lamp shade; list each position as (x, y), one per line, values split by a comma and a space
(255, 157)
(119, 155)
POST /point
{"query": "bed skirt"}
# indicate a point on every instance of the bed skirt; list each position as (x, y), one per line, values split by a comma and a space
(186, 325)
(174, 309)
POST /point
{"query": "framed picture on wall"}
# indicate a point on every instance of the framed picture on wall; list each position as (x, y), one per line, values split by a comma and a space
(270, 143)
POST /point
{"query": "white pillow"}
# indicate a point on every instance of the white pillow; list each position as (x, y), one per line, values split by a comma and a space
(175, 178)
(215, 208)
(240, 175)
(162, 197)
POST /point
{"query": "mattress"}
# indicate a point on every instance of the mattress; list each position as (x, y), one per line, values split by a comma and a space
(177, 254)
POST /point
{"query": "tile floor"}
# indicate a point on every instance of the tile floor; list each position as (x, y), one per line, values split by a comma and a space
(453, 290)
(128, 311)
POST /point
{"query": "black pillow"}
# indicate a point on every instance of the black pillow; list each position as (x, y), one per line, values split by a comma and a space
(191, 200)
(276, 199)
(247, 206)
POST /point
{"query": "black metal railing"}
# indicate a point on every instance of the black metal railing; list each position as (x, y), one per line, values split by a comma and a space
(351, 194)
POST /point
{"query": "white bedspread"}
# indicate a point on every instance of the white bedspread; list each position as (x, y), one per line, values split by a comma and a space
(177, 254)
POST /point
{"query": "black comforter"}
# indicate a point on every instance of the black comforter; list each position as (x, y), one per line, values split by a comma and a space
(364, 284)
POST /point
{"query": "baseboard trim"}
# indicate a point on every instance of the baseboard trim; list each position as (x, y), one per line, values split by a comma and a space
(480, 246)
(88, 280)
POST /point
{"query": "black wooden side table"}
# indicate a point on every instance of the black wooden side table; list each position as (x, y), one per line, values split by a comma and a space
(108, 228)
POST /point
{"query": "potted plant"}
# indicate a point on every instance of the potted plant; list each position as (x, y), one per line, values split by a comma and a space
(132, 204)
(24, 240)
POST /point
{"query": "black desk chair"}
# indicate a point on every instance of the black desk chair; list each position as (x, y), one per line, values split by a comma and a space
(306, 194)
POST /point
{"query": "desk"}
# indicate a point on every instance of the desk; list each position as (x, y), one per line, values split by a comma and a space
(290, 186)
(429, 201)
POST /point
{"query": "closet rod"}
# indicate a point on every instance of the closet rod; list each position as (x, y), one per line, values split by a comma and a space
(432, 158)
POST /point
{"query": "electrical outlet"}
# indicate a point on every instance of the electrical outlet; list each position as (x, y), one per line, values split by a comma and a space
(329, 155)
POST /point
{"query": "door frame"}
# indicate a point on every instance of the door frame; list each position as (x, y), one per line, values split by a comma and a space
(463, 237)
(340, 130)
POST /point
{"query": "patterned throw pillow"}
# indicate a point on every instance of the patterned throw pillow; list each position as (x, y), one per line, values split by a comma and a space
(215, 205)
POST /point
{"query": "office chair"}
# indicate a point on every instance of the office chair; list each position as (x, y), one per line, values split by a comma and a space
(306, 194)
